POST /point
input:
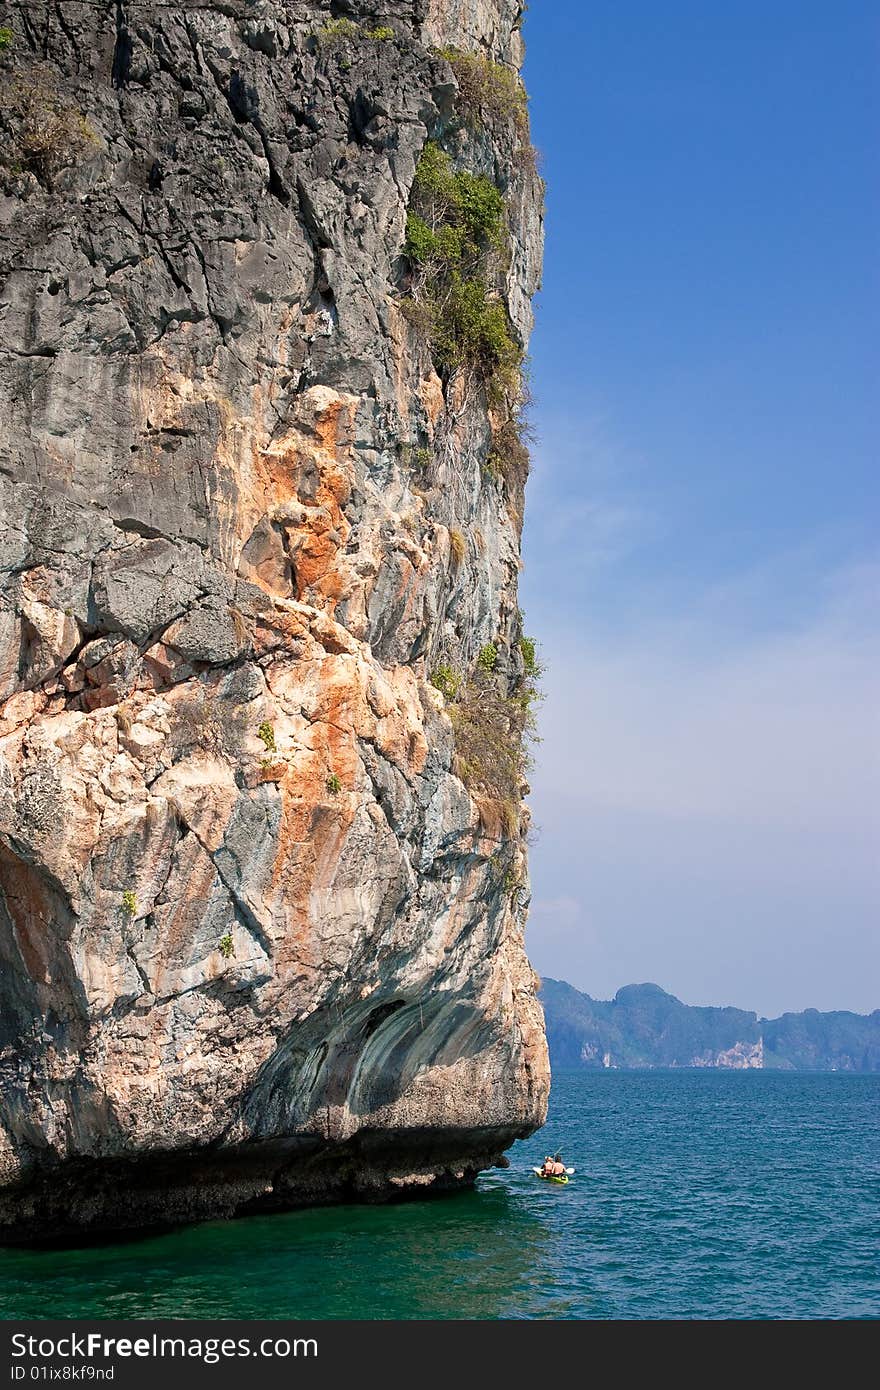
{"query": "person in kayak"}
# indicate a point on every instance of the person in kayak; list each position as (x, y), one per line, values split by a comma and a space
(553, 1166)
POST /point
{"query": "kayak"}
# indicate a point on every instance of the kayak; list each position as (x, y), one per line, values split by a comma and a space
(562, 1179)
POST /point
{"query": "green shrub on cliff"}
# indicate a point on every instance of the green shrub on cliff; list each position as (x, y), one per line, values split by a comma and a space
(226, 945)
(471, 199)
(416, 457)
(490, 744)
(473, 331)
(335, 30)
(446, 680)
(493, 729)
(531, 665)
(490, 94)
(455, 215)
(267, 733)
(456, 233)
(509, 456)
(488, 658)
(338, 30)
(41, 129)
(488, 91)
(129, 903)
(513, 883)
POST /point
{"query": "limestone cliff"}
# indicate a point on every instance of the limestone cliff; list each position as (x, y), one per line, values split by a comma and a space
(643, 1027)
(262, 883)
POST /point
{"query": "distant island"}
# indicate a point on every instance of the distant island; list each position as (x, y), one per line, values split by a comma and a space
(643, 1026)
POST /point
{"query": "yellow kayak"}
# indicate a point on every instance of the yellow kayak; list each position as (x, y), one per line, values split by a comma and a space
(562, 1178)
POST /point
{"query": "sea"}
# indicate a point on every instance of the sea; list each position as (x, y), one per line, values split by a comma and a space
(697, 1194)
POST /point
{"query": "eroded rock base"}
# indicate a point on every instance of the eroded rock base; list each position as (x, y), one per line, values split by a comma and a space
(80, 1201)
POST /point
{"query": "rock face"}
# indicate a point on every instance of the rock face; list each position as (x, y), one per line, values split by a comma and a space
(260, 943)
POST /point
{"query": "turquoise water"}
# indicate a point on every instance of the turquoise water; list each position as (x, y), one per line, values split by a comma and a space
(698, 1195)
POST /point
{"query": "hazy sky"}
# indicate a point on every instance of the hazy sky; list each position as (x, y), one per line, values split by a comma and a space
(700, 547)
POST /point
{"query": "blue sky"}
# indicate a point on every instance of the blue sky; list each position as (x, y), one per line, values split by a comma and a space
(701, 563)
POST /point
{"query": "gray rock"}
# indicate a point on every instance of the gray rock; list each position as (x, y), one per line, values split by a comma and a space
(216, 635)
